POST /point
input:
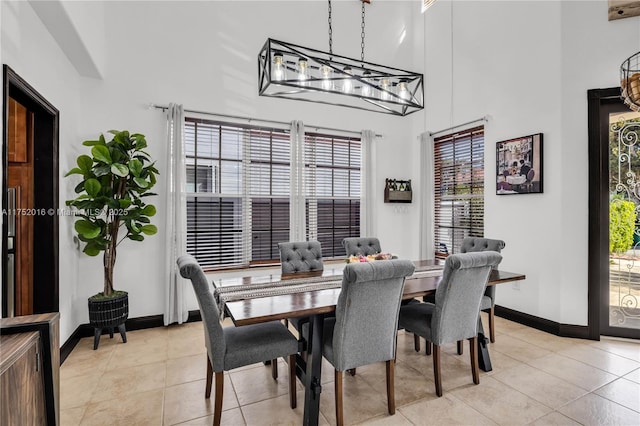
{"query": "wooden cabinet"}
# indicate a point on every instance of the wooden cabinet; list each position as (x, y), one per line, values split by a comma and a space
(30, 370)
(21, 380)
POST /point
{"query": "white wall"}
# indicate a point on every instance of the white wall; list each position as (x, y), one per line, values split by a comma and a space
(203, 55)
(529, 65)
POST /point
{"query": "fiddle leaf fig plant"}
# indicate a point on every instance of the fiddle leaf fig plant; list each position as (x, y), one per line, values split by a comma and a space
(110, 206)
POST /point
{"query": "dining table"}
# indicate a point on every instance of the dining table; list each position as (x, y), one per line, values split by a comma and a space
(307, 301)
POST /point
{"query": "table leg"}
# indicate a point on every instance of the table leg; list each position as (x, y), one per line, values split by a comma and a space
(484, 361)
(314, 371)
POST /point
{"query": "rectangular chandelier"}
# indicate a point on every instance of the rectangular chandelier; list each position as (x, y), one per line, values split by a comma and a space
(289, 71)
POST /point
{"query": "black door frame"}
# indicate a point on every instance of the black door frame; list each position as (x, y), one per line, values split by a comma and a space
(45, 226)
(601, 102)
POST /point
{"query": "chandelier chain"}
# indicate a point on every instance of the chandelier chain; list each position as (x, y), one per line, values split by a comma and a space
(330, 31)
(362, 34)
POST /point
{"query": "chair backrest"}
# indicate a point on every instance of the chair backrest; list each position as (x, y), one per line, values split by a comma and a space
(459, 294)
(367, 312)
(213, 334)
(365, 246)
(530, 175)
(472, 244)
(303, 256)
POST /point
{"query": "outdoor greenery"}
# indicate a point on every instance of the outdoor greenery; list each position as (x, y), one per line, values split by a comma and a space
(115, 178)
(622, 220)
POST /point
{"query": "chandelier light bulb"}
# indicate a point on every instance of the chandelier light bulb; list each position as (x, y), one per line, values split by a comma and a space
(385, 86)
(326, 74)
(403, 90)
(366, 90)
(279, 71)
(347, 84)
(303, 69)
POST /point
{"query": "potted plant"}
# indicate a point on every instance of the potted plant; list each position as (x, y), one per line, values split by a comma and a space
(111, 207)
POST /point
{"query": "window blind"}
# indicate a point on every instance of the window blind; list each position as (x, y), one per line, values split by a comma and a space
(238, 192)
(459, 188)
(332, 175)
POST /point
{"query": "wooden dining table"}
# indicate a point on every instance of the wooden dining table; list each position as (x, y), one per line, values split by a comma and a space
(317, 304)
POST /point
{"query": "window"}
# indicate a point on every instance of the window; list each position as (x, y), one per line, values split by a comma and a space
(332, 174)
(238, 192)
(459, 188)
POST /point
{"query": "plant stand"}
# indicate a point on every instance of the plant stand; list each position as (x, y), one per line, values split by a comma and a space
(108, 313)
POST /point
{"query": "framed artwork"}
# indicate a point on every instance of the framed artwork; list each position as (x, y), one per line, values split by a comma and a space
(519, 165)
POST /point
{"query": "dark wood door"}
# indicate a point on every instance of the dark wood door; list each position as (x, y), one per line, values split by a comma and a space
(20, 179)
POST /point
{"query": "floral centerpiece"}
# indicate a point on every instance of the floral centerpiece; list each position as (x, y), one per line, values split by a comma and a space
(370, 257)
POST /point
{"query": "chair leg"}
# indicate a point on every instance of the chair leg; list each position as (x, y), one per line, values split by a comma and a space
(460, 347)
(293, 399)
(338, 392)
(207, 389)
(274, 369)
(427, 348)
(473, 349)
(391, 394)
(492, 331)
(416, 342)
(436, 369)
(217, 407)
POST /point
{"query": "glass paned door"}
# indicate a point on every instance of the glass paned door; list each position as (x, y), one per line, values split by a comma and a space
(623, 305)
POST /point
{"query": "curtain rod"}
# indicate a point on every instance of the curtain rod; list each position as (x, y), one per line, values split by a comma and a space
(485, 118)
(237, 117)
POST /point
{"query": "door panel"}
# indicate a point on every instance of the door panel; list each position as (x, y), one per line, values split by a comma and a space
(20, 177)
(621, 313)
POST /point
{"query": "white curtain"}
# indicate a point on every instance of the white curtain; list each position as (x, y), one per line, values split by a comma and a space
(367, 184)
(297, 219)
(176, 208)
(427, 187)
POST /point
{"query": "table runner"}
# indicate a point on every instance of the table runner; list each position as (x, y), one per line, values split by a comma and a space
(232, 293)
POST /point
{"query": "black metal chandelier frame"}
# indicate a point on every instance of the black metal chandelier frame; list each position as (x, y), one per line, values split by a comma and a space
(373, 87)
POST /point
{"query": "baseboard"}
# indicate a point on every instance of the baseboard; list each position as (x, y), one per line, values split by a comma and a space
(140, 323)
(563, 330)
(132, 324)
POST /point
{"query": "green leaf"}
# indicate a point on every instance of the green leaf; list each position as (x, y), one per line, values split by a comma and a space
(87, 229)
(141, 142)
(94, 143)
(141, 182)
(149, 210)
(92, 186)
(101, 153)
(91, 250)
(85, 163)
(74, 171)
(120, 170)
(79, 188)
(124, 203)
(102, 170)
(136, 237)
(149, 229)
(135, 166)
(133, 228)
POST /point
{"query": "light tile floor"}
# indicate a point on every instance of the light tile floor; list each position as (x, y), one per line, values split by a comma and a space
(157, 378)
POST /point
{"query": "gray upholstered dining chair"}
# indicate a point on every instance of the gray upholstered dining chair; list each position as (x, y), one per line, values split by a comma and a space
(232, 347)
(355, 246)
(300, 257)
(364, 328)
(455, 314)
(475, 244)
